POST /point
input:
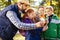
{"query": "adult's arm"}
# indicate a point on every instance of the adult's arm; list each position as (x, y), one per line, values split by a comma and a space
(20, 25)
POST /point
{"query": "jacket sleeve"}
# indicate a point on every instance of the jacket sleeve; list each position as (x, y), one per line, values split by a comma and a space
(55, 20)
(20, 25)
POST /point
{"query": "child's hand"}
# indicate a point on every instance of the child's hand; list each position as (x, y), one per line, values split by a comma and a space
(39, 24)
(42, 20)
(45, 28)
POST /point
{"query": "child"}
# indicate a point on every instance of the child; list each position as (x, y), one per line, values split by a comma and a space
(29, 17)
(43, 17)
(51, 33)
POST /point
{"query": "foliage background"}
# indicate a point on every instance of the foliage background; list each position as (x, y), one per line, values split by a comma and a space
(54, 3)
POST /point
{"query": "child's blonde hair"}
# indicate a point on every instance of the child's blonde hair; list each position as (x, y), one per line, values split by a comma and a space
(49, 7)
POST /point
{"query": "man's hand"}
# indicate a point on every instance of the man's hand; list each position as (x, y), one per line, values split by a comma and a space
(43, 23)
(38, 24)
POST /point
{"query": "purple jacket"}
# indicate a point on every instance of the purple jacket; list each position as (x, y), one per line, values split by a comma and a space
(31, 34)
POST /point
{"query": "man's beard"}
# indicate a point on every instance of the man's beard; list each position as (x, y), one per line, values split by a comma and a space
(23, 10)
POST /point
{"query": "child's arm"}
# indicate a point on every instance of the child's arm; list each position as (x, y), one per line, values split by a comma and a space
(45, 28)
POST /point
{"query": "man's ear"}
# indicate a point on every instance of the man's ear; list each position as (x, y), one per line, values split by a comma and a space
(19, 7)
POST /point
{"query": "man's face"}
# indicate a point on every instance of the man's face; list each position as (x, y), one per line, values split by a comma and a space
(19, 6)
(22, 6)
(41, 10)
(49, 12)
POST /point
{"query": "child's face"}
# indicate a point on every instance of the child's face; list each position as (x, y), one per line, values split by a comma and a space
(31, 15)
(49, 12)
(41, 10)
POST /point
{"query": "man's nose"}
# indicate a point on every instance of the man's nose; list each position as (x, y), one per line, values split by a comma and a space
(21, 5)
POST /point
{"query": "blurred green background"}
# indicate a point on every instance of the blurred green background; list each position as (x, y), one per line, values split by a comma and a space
(35, 3)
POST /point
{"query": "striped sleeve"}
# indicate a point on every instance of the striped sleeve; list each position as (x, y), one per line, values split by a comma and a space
(20, 25)
(55, 21)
